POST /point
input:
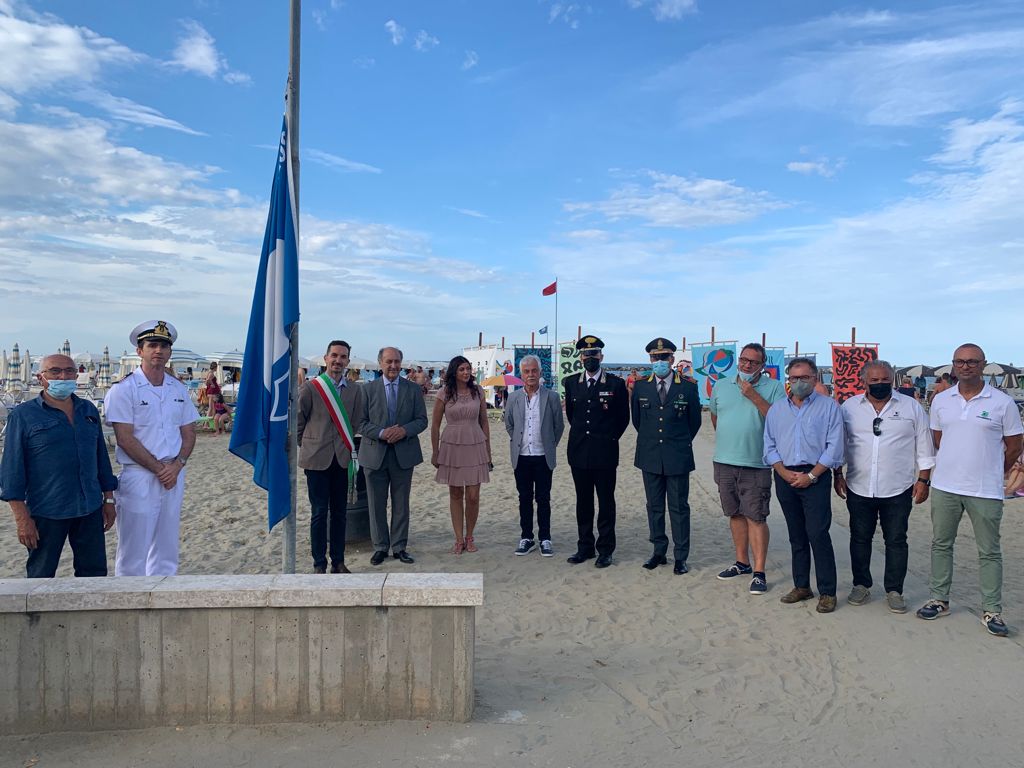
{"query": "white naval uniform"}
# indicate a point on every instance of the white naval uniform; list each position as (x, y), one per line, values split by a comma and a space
(148, 515)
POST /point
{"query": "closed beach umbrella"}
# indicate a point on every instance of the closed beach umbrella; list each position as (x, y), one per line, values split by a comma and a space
(3, 367)
(103, 379)
(66, 349)
(14, 369)
(26, 369)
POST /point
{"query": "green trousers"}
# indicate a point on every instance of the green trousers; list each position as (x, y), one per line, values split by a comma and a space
(985, 515)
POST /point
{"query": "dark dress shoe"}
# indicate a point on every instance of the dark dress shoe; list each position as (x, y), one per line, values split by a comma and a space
(378, 557)
(654, 561)
(339, 568)
(680, 568)
(603, 561)
(319, 569)
(577, 558)
(405, 557)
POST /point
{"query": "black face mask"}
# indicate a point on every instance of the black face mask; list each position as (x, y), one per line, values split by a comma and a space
(591, 364)
(880, 391)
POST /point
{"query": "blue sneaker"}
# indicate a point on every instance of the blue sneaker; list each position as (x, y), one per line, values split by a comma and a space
(994, 624)
(526, 546)
(933, 609)
(736, 569)
(758, 585)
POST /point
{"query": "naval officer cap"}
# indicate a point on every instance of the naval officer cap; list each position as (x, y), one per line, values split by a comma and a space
(590, 343)
(153, 330)
(661, 346)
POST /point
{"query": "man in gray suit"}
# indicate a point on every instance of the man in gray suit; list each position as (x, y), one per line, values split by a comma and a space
(328, 409)
(533, 419)
(394, 417)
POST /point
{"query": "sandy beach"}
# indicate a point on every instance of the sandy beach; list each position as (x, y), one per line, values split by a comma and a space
(582, 667)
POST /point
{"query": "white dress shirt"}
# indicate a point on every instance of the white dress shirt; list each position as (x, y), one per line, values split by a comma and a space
(156, 413)
(970, 457)
(886, 465)
(532, 444)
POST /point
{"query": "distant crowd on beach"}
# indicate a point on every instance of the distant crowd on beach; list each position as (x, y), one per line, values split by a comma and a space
(881, 451)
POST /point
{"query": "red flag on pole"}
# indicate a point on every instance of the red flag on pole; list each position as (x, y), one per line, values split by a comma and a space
(553, 288)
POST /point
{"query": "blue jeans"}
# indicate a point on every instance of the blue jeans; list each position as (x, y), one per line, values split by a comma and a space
(87, 544)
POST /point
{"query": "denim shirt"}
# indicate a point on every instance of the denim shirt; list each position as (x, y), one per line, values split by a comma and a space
(810, 434)
(59, 471)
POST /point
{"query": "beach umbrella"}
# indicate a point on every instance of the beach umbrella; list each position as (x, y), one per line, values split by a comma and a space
(504, 380)
(362, 364)
(3, 367)
(14, 367)
(999, 369)
(944, 369)
(26, 368)
(913, 371)
(103, 378)
(66, 349)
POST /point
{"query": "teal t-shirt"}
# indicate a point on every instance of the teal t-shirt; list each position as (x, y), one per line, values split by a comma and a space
(739, 437)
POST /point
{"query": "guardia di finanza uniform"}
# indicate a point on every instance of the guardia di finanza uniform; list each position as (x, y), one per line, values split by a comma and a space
(664, 453)
(598, 414)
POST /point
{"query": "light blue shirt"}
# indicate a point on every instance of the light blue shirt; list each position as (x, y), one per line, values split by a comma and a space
(810, 434)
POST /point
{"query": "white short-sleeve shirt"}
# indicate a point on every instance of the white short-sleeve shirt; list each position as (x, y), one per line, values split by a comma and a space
(156, 413)
(969, 461)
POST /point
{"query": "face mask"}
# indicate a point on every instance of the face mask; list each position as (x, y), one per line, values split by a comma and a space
(661, 368)
(801, 389)
(591, 364)
(880, 391)
(747, 376)
(61, 389)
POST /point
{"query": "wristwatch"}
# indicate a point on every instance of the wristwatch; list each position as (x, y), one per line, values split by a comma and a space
(812, 477)
(108, 500)
(924, 480)
(183, 461)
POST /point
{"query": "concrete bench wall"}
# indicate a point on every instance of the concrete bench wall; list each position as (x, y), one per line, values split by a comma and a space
(112, 653)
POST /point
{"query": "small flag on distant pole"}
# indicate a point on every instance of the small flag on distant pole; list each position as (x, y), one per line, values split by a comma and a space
(553, 288)
(543, 330)
(260, 433)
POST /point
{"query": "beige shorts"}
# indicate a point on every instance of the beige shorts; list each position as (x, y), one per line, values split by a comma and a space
(744, 491)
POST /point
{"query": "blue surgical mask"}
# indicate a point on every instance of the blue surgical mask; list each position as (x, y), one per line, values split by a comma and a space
(60, 389)
(661, 368)
(747, 376)
(801, 389)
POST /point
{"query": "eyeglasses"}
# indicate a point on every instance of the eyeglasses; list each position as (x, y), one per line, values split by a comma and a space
(748, 361)
(801, 378)
(876, 426)
(55, 372)
(967, 363)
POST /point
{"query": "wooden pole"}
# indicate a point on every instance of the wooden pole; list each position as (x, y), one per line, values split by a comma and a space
(684, 343)
(480, 339)
(502, 342)
(764, 339)
(853, 336)
(797, 350)
(579, 332)
(712, 334)
(533, 339)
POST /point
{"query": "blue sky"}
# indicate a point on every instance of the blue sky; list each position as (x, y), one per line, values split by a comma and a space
(792, 168)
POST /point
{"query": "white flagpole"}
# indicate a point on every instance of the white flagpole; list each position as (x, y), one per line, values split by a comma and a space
(288, 549)
(557, 349)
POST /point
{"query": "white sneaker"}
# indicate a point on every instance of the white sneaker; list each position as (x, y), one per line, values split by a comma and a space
(546, 550)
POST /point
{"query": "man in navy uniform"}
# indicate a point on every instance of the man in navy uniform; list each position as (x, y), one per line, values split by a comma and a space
(666, 415)
(597, 409)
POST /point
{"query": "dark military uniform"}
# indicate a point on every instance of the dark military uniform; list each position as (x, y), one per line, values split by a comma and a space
(598, 414)
(664, 452)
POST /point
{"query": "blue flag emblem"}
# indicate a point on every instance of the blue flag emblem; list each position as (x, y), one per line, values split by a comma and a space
(260, 433)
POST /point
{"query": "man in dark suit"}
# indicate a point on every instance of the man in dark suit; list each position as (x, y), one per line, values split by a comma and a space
(666, 415)
(394, 417)
(597, 409)
(326, 435)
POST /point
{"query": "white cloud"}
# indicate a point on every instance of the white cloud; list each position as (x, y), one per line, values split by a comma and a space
(197, 52)
(364, 62)
(320, 19)
(666, 200)
(667, 10)
(473, 214)
(396, 31)
(328, 160)
(822, 167)
(470, 61)
(966, 138)
(569, 13)
(425, 41)
(129, 111)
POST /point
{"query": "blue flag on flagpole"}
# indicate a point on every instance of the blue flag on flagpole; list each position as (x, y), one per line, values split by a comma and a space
(543, 330)
(260, 431)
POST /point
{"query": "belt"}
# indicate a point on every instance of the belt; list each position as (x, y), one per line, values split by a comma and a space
(800, 467)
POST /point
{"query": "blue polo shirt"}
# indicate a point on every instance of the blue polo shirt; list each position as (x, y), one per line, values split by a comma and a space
(60, 471)
(739, 431)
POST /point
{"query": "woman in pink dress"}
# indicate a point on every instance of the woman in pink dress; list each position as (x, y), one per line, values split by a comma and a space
(462, 454)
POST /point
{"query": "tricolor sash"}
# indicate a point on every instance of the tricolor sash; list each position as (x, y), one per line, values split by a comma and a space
(332, 399)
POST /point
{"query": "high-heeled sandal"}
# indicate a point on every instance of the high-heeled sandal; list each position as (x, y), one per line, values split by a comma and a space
(457, 548)
(470, 545)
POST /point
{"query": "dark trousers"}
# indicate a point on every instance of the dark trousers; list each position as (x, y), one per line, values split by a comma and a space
(674, 489)
(894, 514)
(587, 482)
(85, 534)
(533, 481)
(328, 499)
(808, 513)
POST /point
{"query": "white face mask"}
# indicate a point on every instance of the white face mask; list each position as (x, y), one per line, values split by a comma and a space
(748, 376)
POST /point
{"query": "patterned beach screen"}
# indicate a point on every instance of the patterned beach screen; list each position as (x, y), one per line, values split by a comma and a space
(776, 365)
(568, 362)
(712, 362)
(847, 363)
(544, 353)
